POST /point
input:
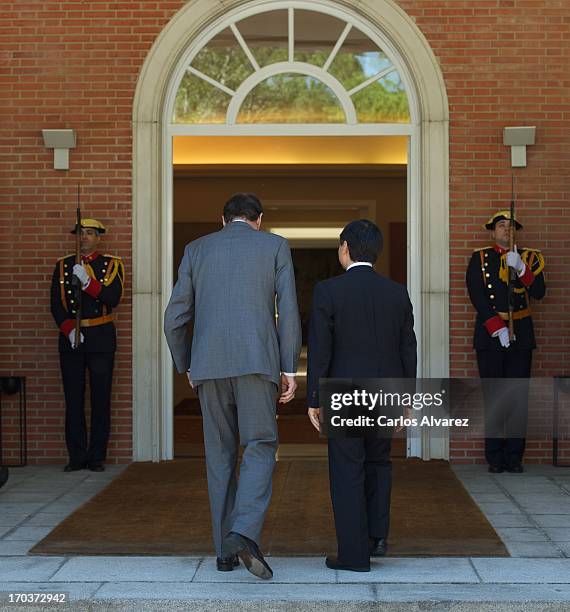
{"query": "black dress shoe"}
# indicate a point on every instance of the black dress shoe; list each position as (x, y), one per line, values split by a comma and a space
(515, 469)
(72, 466)
(377, 547)
(227, 565)
(496, 469)
(335, 564)
(248, 551)
(96, 466)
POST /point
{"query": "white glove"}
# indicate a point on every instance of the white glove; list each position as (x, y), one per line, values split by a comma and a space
(503, 335)
(514, 261)
(82, 275)
(71, 337)
(189, 379)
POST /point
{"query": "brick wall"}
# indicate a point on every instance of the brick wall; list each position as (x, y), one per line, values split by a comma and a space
(505, 62)
(65, 65)
(75, 65)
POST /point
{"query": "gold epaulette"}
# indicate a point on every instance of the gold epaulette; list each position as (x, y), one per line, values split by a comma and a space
(113, 256)
(66, 256)
(529, 249)
(482, 249)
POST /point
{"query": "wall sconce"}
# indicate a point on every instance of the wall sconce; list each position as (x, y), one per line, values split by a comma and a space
(518, 138)
(60, 141)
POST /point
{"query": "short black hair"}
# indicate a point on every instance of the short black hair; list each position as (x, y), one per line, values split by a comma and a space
(364, 240)
(242, 205)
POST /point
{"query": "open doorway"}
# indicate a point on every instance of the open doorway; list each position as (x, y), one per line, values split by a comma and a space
(308, 204)
(298, 39)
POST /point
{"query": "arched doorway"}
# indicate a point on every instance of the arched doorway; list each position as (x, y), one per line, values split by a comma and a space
(180, 93)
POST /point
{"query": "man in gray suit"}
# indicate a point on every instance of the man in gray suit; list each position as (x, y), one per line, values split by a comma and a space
(238, 286)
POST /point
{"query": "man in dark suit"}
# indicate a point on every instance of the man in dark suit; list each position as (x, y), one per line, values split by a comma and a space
(361, 326)
(498, 355)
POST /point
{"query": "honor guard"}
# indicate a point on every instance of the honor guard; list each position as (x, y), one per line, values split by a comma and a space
(498, 354)
(95, 287)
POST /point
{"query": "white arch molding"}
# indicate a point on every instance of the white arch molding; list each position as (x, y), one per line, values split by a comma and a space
(428, 200)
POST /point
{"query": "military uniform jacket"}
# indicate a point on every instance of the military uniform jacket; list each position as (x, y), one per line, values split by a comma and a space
(487, 283)
(98, 300)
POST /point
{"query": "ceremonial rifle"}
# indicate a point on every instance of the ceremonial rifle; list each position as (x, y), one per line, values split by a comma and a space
(76, 281)
(512, 271)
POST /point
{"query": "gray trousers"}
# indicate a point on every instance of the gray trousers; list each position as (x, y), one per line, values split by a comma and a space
(239, 409)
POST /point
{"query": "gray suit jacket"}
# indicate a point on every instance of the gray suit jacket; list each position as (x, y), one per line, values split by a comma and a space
(230, 283)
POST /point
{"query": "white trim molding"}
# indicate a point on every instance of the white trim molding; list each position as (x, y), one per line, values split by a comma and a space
(428, 194)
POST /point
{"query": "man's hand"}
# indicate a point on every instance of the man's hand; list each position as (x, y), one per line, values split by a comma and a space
(315, 417)
(514, 261)
(189, 379)
(288, 388)
(71, 337)
(81, 273)
(503, 335)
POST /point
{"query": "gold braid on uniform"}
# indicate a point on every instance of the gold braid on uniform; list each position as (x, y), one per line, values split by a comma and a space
(531, 258)
(115, 268)
(534, 260)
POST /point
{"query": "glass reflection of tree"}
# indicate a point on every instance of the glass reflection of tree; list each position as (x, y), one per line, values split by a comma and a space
(288, 98)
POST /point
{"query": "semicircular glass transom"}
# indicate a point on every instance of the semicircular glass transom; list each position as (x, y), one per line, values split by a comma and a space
(291, 66)
(291, 98)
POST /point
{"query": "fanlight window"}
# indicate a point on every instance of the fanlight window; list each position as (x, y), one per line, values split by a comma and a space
(291, 66)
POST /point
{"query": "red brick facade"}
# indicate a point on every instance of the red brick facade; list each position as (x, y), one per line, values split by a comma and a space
(76, 64)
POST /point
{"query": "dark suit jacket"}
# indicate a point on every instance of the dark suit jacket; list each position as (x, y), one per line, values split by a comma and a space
(361, 326)
(103, 296)
(490, 296)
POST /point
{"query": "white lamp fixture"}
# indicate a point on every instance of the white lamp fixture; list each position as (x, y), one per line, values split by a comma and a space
(60, 141)
(518, 138)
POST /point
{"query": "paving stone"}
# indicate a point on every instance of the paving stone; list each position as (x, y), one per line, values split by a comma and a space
(46, 519)
(481, 497)
(15, 547)
(564, 547)
(66, 508)
(551, 520)
(19, 507)
(259, 591)
(545, 506)
(521, 534)
(129, 569)
(335, 597)
(19, 496)
(509, 520)
(414, 570)
(558, 534)
(536, 550)
(499, 508)
(524, 571)
(28, 569)
(27, 532)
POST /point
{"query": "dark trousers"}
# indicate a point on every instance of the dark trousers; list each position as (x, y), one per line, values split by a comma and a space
(73, 368)
(506, 406)
(360, 474)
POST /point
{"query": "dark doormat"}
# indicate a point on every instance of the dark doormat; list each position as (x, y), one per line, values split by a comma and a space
(162, 509)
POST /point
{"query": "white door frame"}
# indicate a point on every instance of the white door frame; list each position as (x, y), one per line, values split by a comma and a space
(428, 197)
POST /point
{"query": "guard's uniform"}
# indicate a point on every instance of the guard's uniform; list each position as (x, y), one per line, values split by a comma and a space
(96, 353)
(487, 283)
